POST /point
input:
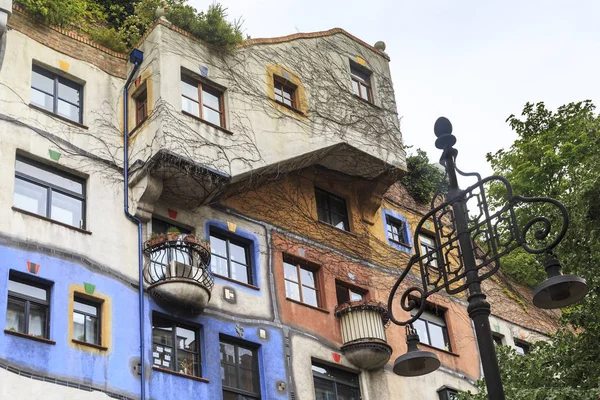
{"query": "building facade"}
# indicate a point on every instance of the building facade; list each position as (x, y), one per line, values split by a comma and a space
(250, 252)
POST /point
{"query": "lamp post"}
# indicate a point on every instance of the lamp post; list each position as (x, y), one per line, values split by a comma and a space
(468, 246)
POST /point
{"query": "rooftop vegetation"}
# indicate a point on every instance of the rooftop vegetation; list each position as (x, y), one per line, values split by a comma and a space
(119, 24)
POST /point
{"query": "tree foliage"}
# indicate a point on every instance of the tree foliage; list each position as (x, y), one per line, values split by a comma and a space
(556, 155)
(120, 24)
(423, 178)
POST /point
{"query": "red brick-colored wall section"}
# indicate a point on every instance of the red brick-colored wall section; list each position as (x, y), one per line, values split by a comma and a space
(70, 43)
(321, 321)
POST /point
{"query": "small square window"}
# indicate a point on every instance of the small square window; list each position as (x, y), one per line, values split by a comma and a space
(202, 100)
(50, 193)
(346, 293)
(239, 370)
(284, 91)
(522, 347)
(332, 210)
(447, 394)
(432, 329)
(87, 319)
(396, 230)
(175, 346)
(301, 281)
(498, 339)
(231, 256)
(56, 94)
(141, 107)
(428, 250)
(28, 308)
(361, 82)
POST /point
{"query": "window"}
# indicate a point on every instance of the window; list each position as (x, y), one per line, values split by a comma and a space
(86, 320)
(284, 91)
(334, 384)
(28, 309)
(239, 371)
(522, 347)
(447, 394)
(498, 339)
(301, 282)
(428, 249)
(175, 346)
(202, 100)
(361, 82)
(331, 209)
(432, 329)
(56, 94)
(141, 107)
(230, 257)
(45, 191)
(345, 294)
(395, 230)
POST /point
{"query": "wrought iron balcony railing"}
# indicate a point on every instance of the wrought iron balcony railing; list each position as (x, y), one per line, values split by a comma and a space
(363, 326)
(177, 271)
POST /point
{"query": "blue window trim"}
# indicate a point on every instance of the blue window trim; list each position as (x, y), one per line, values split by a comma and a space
(254, 252)
(407, 233)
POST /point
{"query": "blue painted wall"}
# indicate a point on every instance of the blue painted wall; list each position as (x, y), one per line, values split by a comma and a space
(111, 370)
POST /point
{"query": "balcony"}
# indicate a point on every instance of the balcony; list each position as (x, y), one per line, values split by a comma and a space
(363, 326)
(177, 271)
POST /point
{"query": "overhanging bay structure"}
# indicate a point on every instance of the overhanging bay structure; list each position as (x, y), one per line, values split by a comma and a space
(249, 250)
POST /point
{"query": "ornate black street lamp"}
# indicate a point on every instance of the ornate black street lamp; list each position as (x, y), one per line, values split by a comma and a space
(468, 248)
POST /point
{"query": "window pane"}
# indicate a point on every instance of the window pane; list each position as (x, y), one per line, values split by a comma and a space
(162, 332)
(324, 389)
(237, 253)
(323, 215)
(364, 92)
(347, 392)
(246, 358)
(339, 221)
(278, 97)
(91, 330)
(308, 277)
(27, 290)
(42, 100)
(37, 320)
(30, 197)
(78, 326)
(42, 82)
(68, 93)
(247, 381)
(355, 88)
(337, 206)
(189, 90)
(287, 102)
(219, 265)
(49, 177)
(86, 308)
(436, 336)
(209, 99)
(186, 339)
(68, 110)
(66, 209)
(342, 294)
(211, 116)
(239, 272)
(287, 93)
(227, 353)
(290, 272)
(218, 246)
(229, 376)
(189, 106)
(292, 290)
(187, 363)
(355, 296)
(309, 296)
(422, 331)
(15, 316)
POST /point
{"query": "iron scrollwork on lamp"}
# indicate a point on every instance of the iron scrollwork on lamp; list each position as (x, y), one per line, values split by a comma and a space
(469, 243)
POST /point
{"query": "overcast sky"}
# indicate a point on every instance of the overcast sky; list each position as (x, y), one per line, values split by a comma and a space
(475, 62)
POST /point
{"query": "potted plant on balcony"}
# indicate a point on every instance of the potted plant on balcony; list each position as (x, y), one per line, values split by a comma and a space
(155, 239)
(191, 239)
(173, 233)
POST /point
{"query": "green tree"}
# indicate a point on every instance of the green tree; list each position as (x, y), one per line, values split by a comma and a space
(556, 155)
(423, 178)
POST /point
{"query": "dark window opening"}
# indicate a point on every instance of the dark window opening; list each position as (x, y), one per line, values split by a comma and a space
(522, 347)
(56, 94)
(230, 257)
(284, 91)
(361, 82)
(87, 320)
(447, 394)
(334, 384)
(203, 101)
(239, 371)
(346, 294)
(48, 192)
(332, 210)
(141, 107)
(498, 339)
(301, 281)
(28, 308)
(175, 346)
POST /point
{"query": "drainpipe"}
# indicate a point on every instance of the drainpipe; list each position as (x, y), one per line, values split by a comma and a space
(5, 12)
(136, 57)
